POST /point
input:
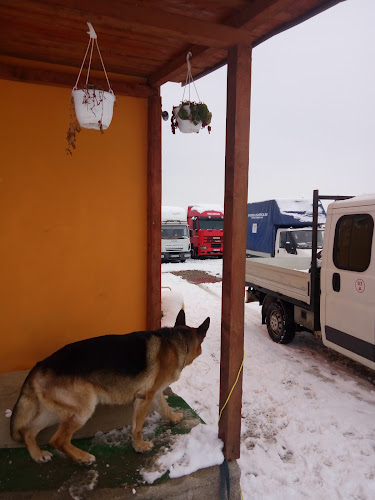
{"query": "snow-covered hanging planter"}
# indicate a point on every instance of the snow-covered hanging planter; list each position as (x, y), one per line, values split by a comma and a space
(190, 116)
(93, 107)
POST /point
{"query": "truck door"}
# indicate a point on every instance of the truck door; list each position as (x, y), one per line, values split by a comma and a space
(348, 283)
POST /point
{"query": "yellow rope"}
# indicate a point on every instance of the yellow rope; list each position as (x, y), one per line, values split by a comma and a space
(234, 385)
(230, 393)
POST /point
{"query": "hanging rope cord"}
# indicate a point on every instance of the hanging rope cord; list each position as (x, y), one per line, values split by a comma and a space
(189, 78)
(224, 470)
(234, 385)
(91, 44)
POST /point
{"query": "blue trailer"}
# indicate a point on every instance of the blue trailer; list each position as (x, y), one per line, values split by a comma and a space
(282, 228)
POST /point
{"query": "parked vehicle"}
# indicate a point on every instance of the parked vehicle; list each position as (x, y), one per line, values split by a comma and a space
(175, 241)
(206, 223)
(282, 228)
(335, 301)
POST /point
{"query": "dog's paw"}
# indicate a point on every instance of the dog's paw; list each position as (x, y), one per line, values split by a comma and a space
(43, 457)
(143, 446)
(176, 417)
(86, 459)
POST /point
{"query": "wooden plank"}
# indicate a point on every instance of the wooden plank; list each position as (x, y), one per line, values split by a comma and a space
(235, 217)
(152, 21)
(60, 79)
(276, 15)
(154, 214)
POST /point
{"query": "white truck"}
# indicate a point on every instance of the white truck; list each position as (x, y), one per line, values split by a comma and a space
(175, 240)
(333, 297)
(282, 228)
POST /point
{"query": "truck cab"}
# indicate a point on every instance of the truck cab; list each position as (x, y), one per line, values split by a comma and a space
(296, 241)
(348, 279)
(175, 241)
(206, 225)
(282, 228)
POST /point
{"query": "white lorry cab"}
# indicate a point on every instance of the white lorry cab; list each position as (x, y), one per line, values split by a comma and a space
(333, 297)
(282, 228)
(348, 279)
(175, 240)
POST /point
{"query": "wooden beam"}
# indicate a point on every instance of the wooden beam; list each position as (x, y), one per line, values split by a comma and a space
(149, 20)
(154, 214)
(240, 18)
(67, 79)
(235, 218)
(249, 17)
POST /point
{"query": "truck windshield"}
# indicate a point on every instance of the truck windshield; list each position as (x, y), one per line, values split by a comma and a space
(211, 224)
(303, 239)
(170, 231)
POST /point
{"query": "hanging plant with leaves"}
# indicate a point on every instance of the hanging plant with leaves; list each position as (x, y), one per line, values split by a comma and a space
(190, 116)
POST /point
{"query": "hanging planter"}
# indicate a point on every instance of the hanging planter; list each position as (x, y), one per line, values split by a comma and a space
(189, 116)
(93, 107)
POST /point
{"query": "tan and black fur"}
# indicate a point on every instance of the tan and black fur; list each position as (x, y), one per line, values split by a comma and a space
(133, 369)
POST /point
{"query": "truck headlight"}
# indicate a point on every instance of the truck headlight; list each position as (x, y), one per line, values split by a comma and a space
(203, 248)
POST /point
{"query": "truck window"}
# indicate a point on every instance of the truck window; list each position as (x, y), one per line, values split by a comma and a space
(211, 224)
(353, 241)
(169, 232)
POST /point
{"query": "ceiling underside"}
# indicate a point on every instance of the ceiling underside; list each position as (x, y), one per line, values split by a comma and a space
(146, 39)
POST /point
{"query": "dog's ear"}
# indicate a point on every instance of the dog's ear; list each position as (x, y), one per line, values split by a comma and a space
(180, 320)
(202, 329)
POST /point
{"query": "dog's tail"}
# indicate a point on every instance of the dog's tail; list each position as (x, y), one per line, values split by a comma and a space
(24, 410)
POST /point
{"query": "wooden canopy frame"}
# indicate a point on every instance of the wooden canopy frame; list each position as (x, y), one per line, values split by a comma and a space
(151, 41)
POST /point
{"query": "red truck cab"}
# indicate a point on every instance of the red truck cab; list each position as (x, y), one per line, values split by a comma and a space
(206, 224)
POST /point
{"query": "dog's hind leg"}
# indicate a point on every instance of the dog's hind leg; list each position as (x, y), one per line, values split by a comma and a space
(74, 405)
(61, 440)
(29, 435)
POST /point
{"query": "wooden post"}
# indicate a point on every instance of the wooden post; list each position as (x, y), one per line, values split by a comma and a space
(235, 219)
(154, 213)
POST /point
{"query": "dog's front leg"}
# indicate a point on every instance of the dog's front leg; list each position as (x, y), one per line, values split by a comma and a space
(165, 410)
(142, 403)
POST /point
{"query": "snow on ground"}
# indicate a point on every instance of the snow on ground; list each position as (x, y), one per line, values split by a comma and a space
(308, 426)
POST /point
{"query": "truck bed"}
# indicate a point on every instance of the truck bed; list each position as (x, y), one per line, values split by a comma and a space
(285, 276)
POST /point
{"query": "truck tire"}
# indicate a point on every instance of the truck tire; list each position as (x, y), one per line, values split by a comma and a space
(280, 328)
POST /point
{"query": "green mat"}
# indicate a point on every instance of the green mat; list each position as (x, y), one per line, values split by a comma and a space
(117, 464)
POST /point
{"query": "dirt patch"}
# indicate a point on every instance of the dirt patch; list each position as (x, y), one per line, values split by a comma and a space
(197, 277)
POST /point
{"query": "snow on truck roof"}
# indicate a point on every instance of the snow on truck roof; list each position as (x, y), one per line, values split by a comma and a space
(299, 209)
(171, 213)
(202, 208)
(361, 200)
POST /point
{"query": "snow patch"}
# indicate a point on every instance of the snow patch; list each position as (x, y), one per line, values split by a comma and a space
(190, 452)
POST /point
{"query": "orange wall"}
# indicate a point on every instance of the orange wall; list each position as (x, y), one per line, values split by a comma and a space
(73, 242)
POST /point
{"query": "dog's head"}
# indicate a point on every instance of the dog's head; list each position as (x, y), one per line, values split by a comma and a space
(195, 338)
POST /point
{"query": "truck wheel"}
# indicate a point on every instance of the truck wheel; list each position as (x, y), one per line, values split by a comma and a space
(279, 328)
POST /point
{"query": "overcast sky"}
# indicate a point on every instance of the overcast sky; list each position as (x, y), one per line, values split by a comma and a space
(312, 116)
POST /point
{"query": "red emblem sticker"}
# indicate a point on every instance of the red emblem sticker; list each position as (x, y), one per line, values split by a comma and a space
(360, 285)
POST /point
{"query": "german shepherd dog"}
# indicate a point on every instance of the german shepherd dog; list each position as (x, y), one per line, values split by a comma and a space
(133, 368)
